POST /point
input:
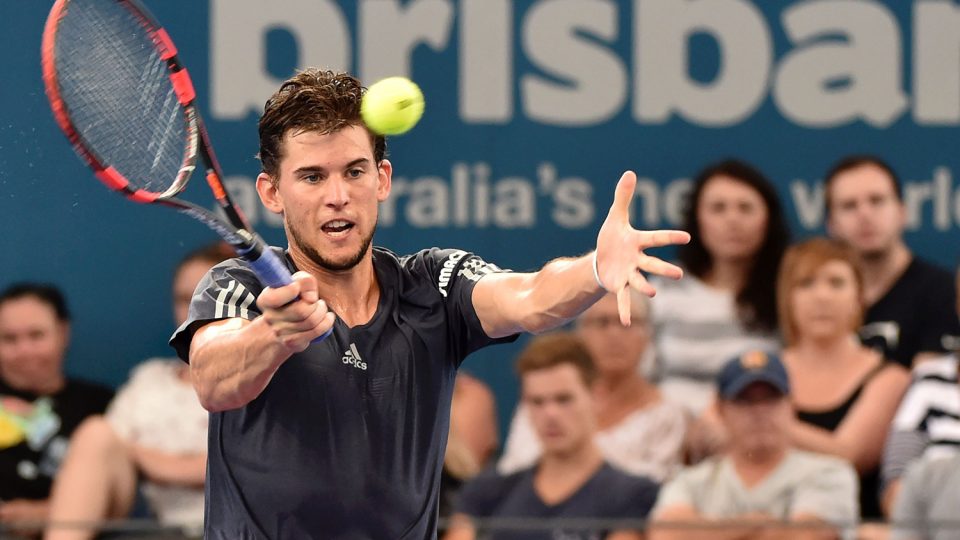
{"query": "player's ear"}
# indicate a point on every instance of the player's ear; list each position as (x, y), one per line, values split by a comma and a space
(269, 194)
(385, 179)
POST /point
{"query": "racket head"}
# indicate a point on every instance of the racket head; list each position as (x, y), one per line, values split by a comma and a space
(118, 92)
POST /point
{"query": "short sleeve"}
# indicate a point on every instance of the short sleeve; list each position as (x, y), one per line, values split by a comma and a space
(454, 273)
(830, 493)
(479, 496)
(229, 290)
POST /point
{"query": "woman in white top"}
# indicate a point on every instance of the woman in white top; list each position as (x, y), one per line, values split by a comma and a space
(725, 303)
(639, 432)
(154, 434)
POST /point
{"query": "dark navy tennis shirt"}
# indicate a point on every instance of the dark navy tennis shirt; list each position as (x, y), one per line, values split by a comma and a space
(347, 440)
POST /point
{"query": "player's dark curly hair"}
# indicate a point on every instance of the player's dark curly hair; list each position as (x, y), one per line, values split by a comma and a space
(756, 302)
(317, 100)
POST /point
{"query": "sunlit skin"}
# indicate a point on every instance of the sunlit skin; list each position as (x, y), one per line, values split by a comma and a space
(732, 219)
(33, 343)
(560, 408)
(825, 304)
(328, 190)
(865, 211)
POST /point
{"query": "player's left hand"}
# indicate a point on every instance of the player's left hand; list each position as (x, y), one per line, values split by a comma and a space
(621, 260)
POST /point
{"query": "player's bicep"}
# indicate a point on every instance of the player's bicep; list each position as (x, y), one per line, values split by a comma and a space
(499, 302)
(214, 330)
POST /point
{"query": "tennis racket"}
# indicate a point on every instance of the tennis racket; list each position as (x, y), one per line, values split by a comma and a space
(126, 103)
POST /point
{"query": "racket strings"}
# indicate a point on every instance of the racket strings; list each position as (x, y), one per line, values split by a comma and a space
(118, 93)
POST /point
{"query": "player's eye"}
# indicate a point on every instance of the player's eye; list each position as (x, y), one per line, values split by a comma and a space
(311, 178)
(355, 173)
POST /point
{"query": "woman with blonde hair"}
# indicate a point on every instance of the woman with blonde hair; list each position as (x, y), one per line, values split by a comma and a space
(845, 394)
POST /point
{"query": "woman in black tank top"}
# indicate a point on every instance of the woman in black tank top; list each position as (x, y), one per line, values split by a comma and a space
(845, 394)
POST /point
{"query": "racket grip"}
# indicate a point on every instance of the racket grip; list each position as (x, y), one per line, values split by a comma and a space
(273, 273)
(270, 269)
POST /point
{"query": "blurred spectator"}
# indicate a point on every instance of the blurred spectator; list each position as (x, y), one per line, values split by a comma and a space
(845, 394)
(927, 423)
(638, 431)
(725, 303)
(910, 303)
(571, 478)
(39, 406)
(761, 483)
(926, 506)
(155, 431)
(472, 438)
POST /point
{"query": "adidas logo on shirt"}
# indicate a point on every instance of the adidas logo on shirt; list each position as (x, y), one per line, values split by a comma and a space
(352, 356)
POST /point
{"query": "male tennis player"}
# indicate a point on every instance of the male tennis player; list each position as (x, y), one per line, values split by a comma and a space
(345, 438)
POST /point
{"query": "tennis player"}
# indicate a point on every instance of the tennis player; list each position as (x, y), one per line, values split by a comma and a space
(345, 438)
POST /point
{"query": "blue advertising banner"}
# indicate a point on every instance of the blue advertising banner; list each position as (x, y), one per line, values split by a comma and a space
(534, 109)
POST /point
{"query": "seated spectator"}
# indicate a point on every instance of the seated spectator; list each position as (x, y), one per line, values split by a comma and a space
(910, 315)
(638, 431)
(927, 424)
(845, 394)
(571, 478)
(926, 505)
(39, 406)
(761, 482)
(725, 304)
(154, 431)
(472, 437)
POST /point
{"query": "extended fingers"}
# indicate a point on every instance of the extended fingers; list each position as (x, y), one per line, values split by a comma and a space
(658, 266)
(663, 238)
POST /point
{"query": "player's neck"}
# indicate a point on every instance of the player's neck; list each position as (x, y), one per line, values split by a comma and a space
(352, 294)
(882, 270)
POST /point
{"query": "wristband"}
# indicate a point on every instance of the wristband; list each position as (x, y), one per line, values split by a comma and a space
(596, 272)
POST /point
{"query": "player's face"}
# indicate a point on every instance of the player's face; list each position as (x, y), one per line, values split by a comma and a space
(560, 408)
(733, 219)
(865, 211)
(32, 343)
(757, 418)
(615, 349)
(184, 283)
(826, 302)
(328, 191)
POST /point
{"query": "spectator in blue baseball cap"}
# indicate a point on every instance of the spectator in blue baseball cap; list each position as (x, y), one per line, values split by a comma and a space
(760, 485)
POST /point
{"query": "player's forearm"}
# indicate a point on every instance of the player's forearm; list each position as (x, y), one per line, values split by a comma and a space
(546, 299)
(233, 361)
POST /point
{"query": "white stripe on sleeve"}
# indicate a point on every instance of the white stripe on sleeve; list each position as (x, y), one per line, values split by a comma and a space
(221, 299)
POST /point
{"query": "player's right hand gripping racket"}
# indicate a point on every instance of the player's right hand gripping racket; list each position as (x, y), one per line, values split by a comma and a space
(128, 107)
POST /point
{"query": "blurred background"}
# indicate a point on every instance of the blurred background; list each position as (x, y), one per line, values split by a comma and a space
(533, 110)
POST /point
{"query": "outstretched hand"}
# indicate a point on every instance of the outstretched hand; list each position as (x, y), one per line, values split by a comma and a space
(621, 260)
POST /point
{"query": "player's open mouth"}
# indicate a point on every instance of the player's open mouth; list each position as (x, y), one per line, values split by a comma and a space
(337, 227)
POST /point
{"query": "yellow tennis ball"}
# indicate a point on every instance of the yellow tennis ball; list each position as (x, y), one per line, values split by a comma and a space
(392, 106)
